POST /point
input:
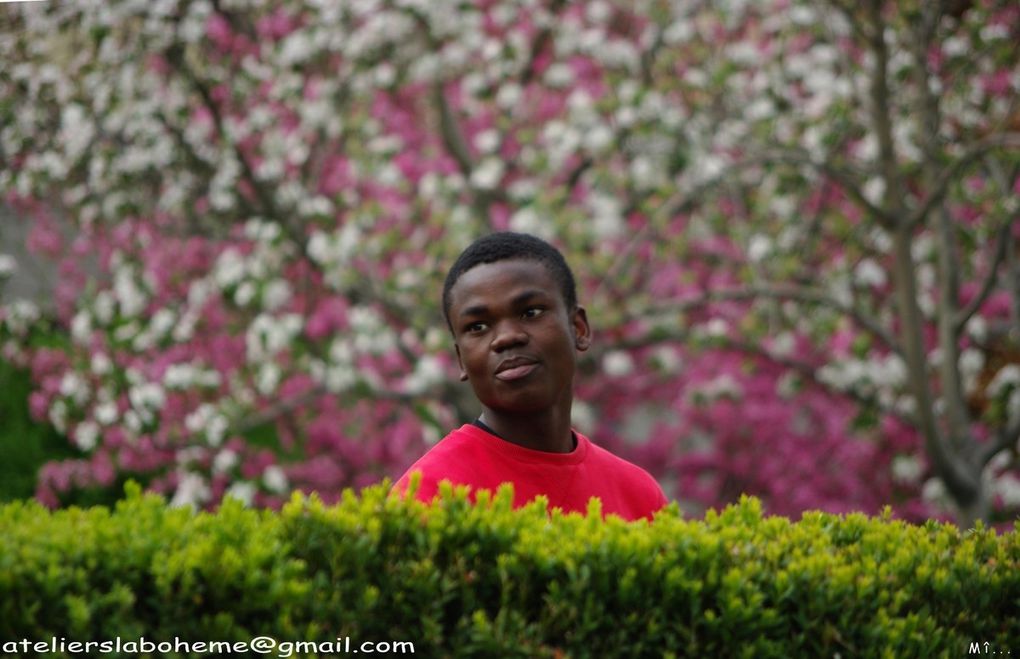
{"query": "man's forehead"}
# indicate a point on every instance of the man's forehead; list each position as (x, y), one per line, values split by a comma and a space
(497, 278)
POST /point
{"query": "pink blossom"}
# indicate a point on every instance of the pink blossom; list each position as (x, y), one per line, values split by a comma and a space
(327, 318)
(45, 238)
(218, 29)
(275, 26)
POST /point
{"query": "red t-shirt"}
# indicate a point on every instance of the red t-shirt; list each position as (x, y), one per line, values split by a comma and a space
(474, 457)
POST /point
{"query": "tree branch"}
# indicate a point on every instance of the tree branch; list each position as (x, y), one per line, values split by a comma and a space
(679, 202)
(684, 201)
(847, 8)
(796, 294)
(539, 45)
(843, 177)
(269, 207)
(1001, 248)
(804, 369)
(948, 175)
(279, 408)
(962, 483)
(288, 405)
(197, 164)
(449, 130)
(1007, 438)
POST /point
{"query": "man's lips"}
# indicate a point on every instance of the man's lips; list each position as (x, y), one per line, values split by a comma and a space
(515, 368)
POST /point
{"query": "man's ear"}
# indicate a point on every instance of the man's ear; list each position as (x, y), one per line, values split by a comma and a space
(460, 363)
(582, 330)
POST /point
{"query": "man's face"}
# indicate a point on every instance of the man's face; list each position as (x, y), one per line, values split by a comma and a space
(516, 341)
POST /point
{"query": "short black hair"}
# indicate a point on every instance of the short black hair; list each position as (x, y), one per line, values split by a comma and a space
(506, 245)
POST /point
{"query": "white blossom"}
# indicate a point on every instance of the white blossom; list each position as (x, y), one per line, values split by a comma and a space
(488, 173)
(244, 294)
(428, 373)
(759, 109)
(607, 219)
(341, 352)
(74, 387)
(717, 327)
(276, 294)
(430, 434)
(336, 378)
(869, 273)
(192, 490)
(994, 31)
(106, 413)
(86, 435)
(76, 131)
(128, 293)
(921, 249)
(934, 491)
(146, 398)
(759, 248)
(559, 75)
(162, 322)
(21, 314)
(275, 479)
(617, 363)
(268, 335)
(722, 386)
(527, 220)
(216, 430)
(907, 469)
(599, 139)
(783, 344)
(243, 491)
(1008, 377)
(81, 327)
(680, 31)
(1007, 486)
(626, 116)
(104, 306)
(645, 173)
(335, 249)
(509, 95)
(972, 361)
(268, 378)
(582, 416)
(955, 46)
(58, 415)
(8, 265)
(874, 190)
(487, 141)
(1013, 406)
(296, 48)
(667, 359)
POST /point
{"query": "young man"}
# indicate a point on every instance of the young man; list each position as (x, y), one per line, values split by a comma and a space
(511, 304)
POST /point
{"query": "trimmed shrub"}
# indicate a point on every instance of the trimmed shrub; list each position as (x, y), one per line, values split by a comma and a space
(462, 579)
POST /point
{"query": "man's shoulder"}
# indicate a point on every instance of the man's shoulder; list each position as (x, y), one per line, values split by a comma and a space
(612, 463)
(451, 457)
(455, 442)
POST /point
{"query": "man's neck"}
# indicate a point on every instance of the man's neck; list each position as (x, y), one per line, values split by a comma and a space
(549, 432)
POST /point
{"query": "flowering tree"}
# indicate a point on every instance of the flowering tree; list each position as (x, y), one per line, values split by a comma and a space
(793, 224)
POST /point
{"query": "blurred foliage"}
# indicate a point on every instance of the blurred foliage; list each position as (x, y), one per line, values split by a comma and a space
(25, 444)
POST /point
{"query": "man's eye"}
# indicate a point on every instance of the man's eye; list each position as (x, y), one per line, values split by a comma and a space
(533, 312)
(474, 328)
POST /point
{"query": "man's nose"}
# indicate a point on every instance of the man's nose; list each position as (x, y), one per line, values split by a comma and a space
(508, 334)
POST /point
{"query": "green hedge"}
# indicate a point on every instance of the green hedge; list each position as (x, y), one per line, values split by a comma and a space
(482, 580)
